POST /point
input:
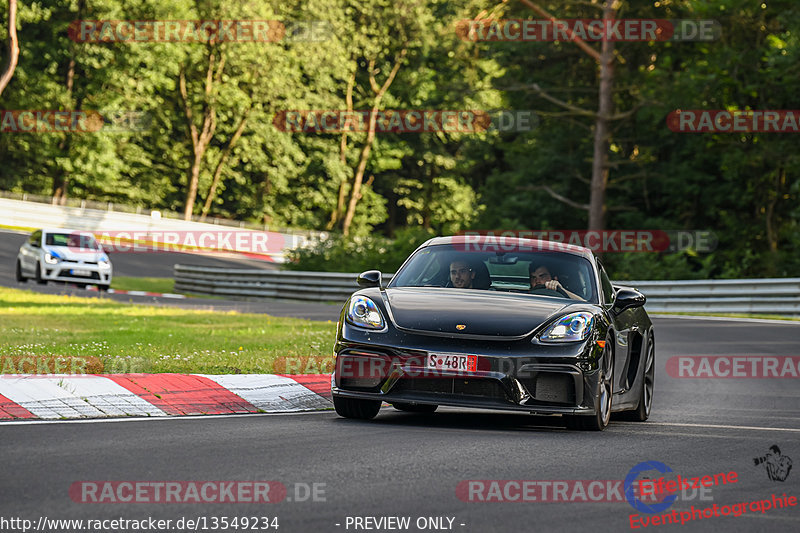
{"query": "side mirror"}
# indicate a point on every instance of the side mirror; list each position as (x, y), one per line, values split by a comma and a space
(370, 278)
(627, 298)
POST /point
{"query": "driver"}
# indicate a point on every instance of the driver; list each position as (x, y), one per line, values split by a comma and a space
(540, 276)
(461, 275)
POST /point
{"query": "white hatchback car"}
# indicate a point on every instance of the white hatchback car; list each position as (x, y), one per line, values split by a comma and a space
(64, 255)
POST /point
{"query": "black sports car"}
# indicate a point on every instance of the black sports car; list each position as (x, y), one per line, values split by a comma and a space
(513, 324)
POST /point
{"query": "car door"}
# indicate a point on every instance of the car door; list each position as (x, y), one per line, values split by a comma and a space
(622, 323)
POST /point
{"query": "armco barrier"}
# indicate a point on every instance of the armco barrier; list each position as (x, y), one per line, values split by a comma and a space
(316, 286)
(775, 296)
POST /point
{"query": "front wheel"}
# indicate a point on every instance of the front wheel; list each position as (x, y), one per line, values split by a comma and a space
(602, 402)
(355, 408)
(642, 412)
(20, 277)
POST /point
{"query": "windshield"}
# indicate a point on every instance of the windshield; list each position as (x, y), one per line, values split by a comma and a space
(73, 240)
(543, 273)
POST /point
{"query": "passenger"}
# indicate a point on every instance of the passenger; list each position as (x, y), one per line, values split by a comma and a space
(541, 278)
(461, 275)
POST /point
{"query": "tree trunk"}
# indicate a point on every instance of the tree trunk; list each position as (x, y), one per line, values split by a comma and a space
(194, 178)
(355, 193)
(13, 47)
(61, 184)
(597, 196)
(200, 139)
(212, 192)
(337, 211)
(774, 196)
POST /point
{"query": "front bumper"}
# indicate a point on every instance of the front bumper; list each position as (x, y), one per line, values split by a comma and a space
(520, 375)
(77, 272)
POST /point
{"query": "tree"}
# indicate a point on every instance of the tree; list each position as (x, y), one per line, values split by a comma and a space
(13, 47)
(603, 116)
(380, 91)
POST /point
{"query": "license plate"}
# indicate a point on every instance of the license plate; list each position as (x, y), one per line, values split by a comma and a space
(463, 363)
(84, 273)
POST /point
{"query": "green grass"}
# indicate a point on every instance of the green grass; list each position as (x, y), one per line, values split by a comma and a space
(734, 315)
(163, 285)
(137, 338)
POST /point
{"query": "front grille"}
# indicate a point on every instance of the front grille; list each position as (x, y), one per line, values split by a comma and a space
(551, 387)
(485, 388)
(67, 274)
(361, 370)
(74, 262)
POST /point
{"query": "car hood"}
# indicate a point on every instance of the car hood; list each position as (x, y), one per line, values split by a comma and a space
(74, 254)
(486, 313)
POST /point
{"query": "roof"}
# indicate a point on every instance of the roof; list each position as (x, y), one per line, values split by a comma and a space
(65, 230)
(490, 242)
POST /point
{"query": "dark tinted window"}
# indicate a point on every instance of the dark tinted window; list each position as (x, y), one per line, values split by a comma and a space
(36, 239)
(498, 271)
(73, 240)
(608, 289)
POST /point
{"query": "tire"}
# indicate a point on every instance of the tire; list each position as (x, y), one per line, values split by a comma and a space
(642, 411)
(80, 285)
(355, 408)
(102, 288)
(602, 400)
(415, 407)
(38, 275)
(20, 277)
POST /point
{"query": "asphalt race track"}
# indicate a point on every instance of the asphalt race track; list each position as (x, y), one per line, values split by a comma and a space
(406, 465)
(410, 465)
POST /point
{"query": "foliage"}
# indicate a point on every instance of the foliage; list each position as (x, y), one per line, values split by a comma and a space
(356, 254)
(743, 187)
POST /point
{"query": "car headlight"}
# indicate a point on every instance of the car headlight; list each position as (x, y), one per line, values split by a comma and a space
(361, 311)
(573, 327)
(104, 262)
(50, 259)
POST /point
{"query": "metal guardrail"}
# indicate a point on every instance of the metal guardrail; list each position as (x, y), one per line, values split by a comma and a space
(774, 296)
(258, 283)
